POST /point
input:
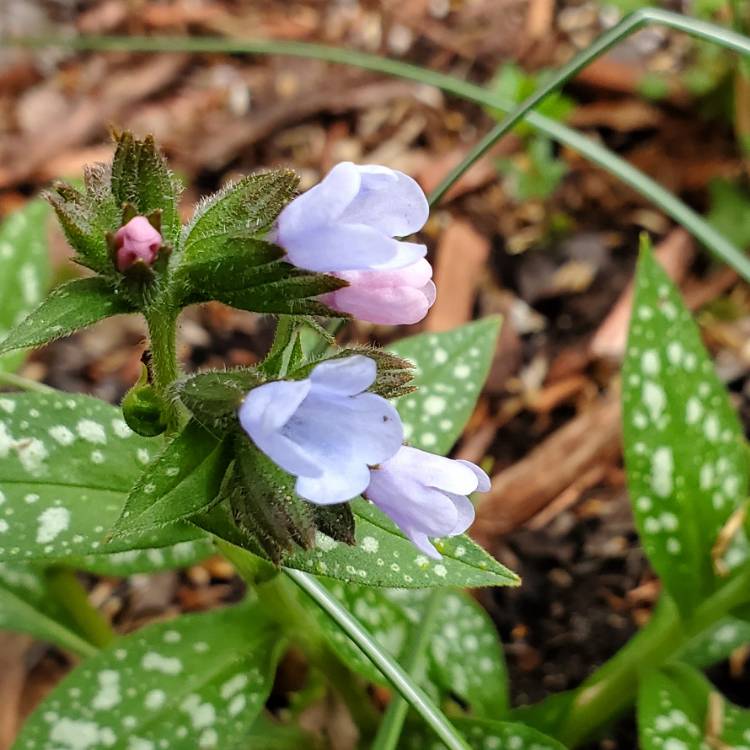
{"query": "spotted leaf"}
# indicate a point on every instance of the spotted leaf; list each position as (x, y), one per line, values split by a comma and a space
(684, 447)
(482, 734)
(678, 709)
(24, 269)
(67, 464)
(450, 371)
(166, 683)
(72, 306)
(716, 643)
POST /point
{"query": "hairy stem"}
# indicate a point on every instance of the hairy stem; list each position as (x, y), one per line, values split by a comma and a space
(162, 327)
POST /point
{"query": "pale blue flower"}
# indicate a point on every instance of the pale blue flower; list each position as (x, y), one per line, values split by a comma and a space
(426, 495)
(348, 221)
(325, 430)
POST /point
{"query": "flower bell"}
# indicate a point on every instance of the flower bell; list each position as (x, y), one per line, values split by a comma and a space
(390, 297)
(349, 221)
(426, 495)
(136, 241)
(326, 430)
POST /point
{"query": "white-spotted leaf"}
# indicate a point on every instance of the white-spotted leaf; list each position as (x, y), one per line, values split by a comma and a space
(195, 683)
(67, 464)
(684, 447)
(450, 372)
(482, 734)
(382, 556)
(679, 709)
(716, 643)
(24, 269)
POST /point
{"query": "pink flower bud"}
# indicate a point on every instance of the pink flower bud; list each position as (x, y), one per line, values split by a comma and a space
(389, 297)
(136, 240)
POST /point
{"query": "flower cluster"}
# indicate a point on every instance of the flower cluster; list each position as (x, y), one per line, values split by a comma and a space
(335, 437)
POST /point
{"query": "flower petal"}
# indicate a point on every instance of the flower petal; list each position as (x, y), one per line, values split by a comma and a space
(423, 544)
(466, 513)
(287, 454)
(347, 375)
(389, 201)
(394, 306)
(439, 472)
(268, 407)
(322, 204)
(483, 481)
(340, 247)
(407, 253)
(336, 486)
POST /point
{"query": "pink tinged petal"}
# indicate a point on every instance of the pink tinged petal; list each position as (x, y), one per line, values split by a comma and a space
(322, 204)
(483, 481)
(416, 275)
(398, 306)
(430, 292)
(347, 376)
(446, 474)
(136, 241)
(389, 201)
(466, 514)
(342, 247)
(334, 486)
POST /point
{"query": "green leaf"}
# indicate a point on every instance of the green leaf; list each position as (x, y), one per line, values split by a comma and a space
(466, 656)
(678, 709)
(72, 306)
(24, 269)
(716, 643)
(684, 447)
(67, 464)
(214, 397)
(482, 734)
(198, 681)
(141, 177)
(242, 209)
(382, 556)
(267, 734)
(450, 374)
(182, 481)
(27, 606)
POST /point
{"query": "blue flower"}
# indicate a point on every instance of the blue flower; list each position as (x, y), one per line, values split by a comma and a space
(426, 495)
(325, 430)
(348, 221)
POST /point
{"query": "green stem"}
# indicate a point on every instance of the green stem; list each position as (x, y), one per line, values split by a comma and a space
(389, 732)
(612, 688)
(24, 384)
(594, 152)
(162, 328)
(68, 591)
(280, 602)
(401, 681)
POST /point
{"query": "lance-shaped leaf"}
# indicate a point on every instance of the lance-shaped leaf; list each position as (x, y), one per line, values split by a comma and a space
(482, 734)
(67, 464)
(679, 709)
(67, 309)
(684, 447)
(27, 606)
(717, 643)
(182, 481)
(450, 372)
(141, 177)
(214, 397)
(24, 269)
(167, 685)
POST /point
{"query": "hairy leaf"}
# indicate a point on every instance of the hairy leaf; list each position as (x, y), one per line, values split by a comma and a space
(72, 306)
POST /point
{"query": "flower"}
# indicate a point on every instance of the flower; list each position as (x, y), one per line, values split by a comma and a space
(348, 221)
(425, 494)
(136, 241)
(325, 430)
(390, 297)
